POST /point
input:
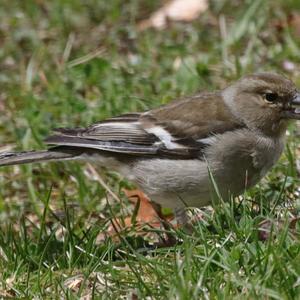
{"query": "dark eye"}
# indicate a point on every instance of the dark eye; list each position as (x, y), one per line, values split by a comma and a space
(271, 97)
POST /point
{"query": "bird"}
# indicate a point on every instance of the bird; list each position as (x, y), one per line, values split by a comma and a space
(180, 153)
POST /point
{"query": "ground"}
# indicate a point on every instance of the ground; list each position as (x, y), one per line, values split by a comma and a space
(71, 63)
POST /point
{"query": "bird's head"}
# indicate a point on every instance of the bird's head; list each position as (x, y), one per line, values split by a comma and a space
(264, 101)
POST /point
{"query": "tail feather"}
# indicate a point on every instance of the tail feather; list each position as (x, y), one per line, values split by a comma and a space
(17, 158)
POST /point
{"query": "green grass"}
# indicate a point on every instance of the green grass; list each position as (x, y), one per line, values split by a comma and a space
(70, 63)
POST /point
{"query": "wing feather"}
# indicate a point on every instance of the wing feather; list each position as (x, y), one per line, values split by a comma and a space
(112, 146)
(181, 129)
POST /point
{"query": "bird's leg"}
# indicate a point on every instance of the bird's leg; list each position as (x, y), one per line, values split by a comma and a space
(170, 239)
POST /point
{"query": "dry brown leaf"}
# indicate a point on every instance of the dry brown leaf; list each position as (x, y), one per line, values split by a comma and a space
(3, 96)
(43, 78)
(10, 294)
(294, 22)
(175, 10)
(8, 147)
(74, 283)
(268, 226)
(146, 215)
(146, 212)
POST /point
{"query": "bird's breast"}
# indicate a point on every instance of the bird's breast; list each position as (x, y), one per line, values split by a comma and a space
(239, 159)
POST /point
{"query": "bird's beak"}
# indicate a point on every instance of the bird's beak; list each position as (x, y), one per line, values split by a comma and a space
(293, 110)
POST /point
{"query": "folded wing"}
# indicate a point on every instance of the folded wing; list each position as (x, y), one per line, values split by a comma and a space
(175, 131)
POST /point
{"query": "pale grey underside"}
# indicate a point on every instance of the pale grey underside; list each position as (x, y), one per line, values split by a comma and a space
(237, 160)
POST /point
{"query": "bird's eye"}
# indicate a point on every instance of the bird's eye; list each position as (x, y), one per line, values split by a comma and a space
(271, 97)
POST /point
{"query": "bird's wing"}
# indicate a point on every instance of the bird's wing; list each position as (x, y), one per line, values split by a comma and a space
(122, 134)
(181, 129)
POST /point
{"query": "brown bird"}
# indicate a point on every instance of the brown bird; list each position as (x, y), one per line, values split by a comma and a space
(233, 136)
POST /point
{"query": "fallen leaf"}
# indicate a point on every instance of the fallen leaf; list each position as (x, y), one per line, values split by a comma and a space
(3, 96)
(145, 215)
(10, 294)
(6, 148)
(43, 78)
(294, 22)
(175, 10)
(265, 228)
(74, 283)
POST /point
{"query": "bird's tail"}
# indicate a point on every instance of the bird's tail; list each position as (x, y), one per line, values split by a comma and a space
(55, 154)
